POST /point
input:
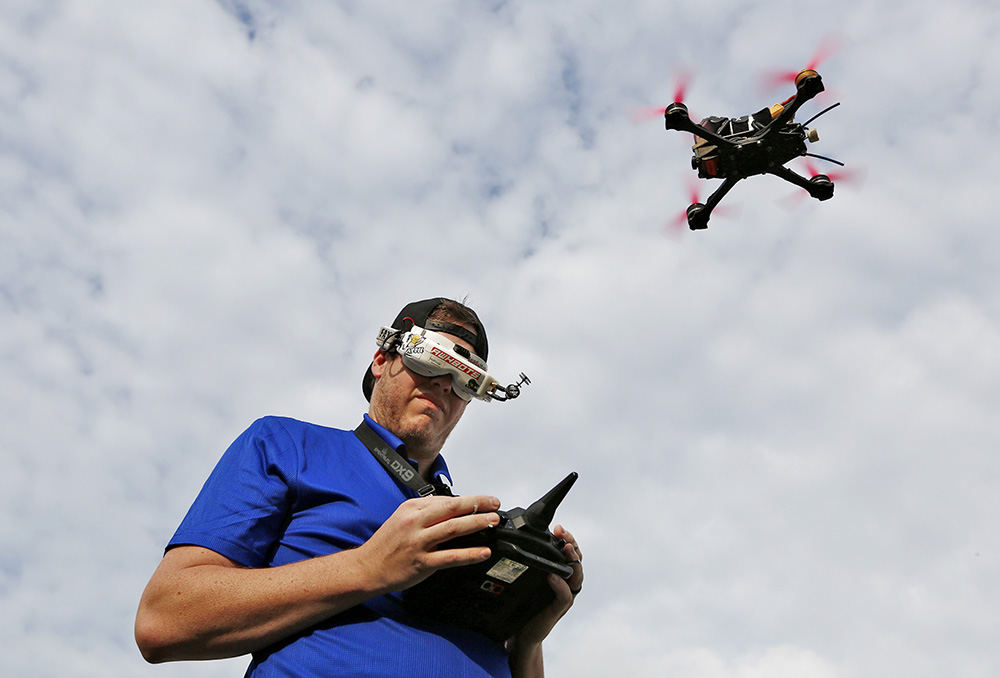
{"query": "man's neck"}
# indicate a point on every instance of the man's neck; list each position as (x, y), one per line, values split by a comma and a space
(424, 461)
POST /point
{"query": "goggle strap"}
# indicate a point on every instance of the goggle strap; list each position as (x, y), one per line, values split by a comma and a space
(453, 329)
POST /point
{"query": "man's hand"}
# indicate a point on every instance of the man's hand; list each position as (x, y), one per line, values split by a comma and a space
(403, 551)
(526, 647)
(565, 589)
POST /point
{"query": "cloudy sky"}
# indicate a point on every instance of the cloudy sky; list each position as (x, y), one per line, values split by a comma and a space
(785, 426)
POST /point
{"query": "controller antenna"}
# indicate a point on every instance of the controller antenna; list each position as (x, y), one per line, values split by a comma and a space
(539, 515)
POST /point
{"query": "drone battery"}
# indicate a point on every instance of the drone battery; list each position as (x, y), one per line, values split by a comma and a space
(498, 596)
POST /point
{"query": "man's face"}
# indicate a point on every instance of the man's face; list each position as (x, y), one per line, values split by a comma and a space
(422, 411)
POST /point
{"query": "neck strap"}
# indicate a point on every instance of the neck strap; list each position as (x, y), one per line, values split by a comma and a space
(395, 465)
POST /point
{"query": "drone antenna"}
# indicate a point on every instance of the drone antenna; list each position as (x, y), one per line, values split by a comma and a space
(828, 108)
(823, 157)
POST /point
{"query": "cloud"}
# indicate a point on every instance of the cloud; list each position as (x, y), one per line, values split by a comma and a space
(784, 425)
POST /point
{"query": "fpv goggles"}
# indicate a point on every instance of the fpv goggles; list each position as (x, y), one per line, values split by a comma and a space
(432, 354)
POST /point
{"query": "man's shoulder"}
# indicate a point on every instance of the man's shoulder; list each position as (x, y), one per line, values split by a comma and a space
(288, 430)
(290, 424)
(294, 446)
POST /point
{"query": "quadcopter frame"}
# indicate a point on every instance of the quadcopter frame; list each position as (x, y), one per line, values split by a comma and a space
(764, 151)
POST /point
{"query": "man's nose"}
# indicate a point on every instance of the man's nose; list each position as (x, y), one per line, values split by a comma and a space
(442, 382)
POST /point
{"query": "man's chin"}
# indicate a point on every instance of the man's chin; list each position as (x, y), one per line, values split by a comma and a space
(419, 430)
(423, 435)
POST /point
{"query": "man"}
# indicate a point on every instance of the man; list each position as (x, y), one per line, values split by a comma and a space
(299, 543)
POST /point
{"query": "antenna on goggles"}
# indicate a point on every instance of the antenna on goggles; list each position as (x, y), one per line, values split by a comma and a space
(498, 392)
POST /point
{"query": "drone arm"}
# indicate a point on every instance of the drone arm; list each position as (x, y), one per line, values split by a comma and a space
(790, 176)
(698, 214)
(720, 193)
(819, 187)
(709, 135)
(806, 88)
(676, 118)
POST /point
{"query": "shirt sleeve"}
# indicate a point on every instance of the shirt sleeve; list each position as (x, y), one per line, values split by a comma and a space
(242, 508)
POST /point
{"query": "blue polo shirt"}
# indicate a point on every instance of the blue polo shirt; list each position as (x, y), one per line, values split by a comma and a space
(286, 491)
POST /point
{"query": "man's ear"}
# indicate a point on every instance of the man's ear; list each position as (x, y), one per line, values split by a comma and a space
(379, 362)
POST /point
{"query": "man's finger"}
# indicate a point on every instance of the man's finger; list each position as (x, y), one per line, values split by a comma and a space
(461, 526)
(439, 560)
(438, 509)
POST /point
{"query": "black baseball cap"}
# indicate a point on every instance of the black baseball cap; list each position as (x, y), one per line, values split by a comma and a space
(417, 313)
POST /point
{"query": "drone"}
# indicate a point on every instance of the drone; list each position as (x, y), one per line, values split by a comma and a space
(733, 149)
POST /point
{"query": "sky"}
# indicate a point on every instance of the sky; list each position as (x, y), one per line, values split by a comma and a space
(785, 425)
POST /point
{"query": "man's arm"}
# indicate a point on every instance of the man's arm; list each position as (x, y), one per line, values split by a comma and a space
(526, 662)
(201, 605)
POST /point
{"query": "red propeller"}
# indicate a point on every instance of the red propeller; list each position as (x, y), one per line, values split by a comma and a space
(680, 222)
(694, 195)
(647, 113)
(839, 176)
(683, 82)
(644, 113)
(827, 47)
(843, 175)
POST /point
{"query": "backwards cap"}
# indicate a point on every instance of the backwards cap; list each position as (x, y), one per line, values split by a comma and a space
(417, 313)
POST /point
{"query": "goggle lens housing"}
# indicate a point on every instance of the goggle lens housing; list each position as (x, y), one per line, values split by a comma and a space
(431, 354)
